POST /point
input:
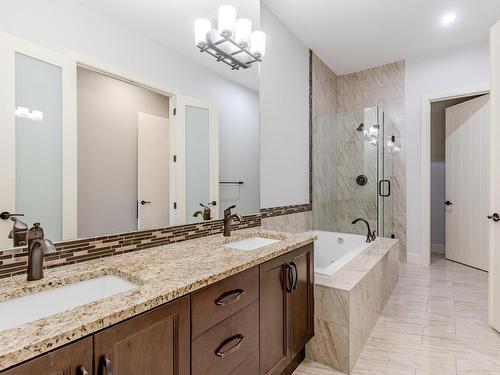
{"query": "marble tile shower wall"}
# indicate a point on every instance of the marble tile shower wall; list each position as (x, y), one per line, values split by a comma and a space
(339, 152)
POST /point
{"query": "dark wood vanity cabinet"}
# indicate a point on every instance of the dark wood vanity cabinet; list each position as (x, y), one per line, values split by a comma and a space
(156, 342)
(255, 322)
(72, 359)
(286, 309)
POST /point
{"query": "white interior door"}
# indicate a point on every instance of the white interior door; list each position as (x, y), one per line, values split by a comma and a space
(467, 182)
(153, 171)
(494, 234)
(196, 148)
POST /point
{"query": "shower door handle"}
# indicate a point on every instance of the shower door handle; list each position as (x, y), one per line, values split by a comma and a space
(380, 185)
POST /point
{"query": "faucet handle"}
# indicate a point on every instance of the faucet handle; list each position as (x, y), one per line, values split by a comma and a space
(7, 215)
(230, 208)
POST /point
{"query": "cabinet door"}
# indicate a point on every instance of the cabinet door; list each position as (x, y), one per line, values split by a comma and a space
(274, 348)
(302, 299)
(156, 342)
(72, 359)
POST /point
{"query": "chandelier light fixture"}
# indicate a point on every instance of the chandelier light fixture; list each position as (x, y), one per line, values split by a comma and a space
(233, 42)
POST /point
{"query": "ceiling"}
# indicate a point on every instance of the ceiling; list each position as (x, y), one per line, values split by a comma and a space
(353, 35)
(171, 23)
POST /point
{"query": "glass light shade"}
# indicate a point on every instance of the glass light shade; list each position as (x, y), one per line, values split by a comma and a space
(258, 43)
(22, 112)
(242, 31)
(227, 20)
(201, 28)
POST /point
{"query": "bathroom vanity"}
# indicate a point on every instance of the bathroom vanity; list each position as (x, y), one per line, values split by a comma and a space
(203, 308)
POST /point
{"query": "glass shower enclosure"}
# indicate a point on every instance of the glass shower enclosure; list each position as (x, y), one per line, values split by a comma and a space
(353, 171)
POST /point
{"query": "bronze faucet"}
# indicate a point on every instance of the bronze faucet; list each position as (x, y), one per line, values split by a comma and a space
(38, 246)
(207, 212)
(228, 219)
(18, 232)
(370, 236)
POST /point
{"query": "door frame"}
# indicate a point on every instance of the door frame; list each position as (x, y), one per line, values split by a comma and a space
(73, 60)
(424, 258)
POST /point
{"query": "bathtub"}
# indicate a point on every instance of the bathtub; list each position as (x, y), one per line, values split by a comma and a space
(352, 283)
(332, 250)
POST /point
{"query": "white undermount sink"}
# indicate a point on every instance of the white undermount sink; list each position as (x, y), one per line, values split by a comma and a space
(31, 307)
(252, 243)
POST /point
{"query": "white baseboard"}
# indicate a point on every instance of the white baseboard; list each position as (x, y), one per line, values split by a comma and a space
(437, 248)
(417, 259)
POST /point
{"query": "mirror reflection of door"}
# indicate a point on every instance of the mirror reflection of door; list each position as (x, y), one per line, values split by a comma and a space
(153, 171)
(30, 137)
(197, 151)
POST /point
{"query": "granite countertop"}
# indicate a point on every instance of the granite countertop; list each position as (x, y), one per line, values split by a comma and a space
(163, 273)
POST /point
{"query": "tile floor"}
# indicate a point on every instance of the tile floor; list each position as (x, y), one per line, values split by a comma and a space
(435, 323)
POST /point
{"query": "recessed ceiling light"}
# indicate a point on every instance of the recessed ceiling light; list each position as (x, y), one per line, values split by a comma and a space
(448, 19)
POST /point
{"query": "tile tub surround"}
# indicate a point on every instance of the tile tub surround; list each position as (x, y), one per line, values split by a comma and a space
(165, 273)
(14, 261)
(349, 303)
(337, 149)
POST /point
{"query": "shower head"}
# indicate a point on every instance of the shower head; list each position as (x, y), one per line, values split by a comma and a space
(360, 127)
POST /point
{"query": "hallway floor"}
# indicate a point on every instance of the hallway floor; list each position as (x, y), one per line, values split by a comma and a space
(436, 322)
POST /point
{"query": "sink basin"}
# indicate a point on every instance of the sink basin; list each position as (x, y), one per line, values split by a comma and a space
(31, 307)
(251, 243)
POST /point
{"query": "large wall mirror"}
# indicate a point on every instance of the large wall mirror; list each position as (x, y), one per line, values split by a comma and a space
(93, 146)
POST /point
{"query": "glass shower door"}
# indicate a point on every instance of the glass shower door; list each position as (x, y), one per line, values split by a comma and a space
(387, 147)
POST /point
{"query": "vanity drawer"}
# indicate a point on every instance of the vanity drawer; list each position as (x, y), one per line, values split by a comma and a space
(223, 348)
(249, 367)
(215, 303)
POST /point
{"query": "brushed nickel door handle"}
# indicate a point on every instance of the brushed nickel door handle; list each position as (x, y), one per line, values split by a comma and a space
(81, 370)
(239, 340)
(229, 297)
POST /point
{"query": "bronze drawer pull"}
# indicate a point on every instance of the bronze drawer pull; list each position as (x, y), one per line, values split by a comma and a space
(295, 275)
(229, 297)
(108, 368)
(82, 371)
(288, 278)
(235, 347)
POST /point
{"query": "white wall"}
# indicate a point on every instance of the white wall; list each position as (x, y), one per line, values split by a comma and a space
(427, 75)
(65, 24)
(284, 116)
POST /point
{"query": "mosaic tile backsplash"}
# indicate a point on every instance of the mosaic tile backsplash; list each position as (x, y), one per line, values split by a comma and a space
(14, 261)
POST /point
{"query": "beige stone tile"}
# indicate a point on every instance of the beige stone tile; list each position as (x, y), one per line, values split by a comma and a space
(330, 345)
